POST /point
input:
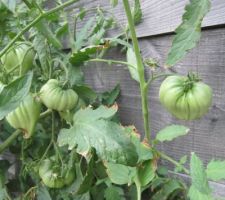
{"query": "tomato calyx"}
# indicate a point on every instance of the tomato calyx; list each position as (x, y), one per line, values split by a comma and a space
(191, 79)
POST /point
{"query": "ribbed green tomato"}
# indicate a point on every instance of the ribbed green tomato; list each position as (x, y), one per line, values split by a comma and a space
(56, 98)
(20, 56)
(186, 98)
(25, 116)
(54, 176)
(68, 114)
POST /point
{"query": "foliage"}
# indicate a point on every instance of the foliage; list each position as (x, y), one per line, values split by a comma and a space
(189, 32)
(78, 148)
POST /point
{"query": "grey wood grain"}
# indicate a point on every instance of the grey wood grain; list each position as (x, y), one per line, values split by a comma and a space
(159, 17)
(207, 135)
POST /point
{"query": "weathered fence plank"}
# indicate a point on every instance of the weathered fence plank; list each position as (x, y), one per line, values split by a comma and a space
(159, 17)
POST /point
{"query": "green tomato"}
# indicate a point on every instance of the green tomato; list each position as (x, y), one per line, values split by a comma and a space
(186, 98)
(53, 176)
(19, 57)
(25, 116)
(68, 114)
(50, 174)
(69, 176)
(56, 98)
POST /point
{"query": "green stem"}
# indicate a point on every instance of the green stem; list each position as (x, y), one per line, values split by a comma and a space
(9, 140)
(140, 67)
(35, 21)
(63, 66)
(164, 156)
(46, 113)
(138, 187)
(29, 191)
(52, 138)
(111, 61)
(157, 76)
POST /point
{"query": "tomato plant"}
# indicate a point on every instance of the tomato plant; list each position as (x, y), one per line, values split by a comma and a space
(73, 144)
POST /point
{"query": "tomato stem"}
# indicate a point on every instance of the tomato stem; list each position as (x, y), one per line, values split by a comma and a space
(111, 61)
(154, 77)
(9, 140)
(177, 164)
(140, 68)
(138, 187)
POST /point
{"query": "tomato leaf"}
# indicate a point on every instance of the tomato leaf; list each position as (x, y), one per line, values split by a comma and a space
(85, 93)
(14, 93)
(109, 98)
(43, 194)
(143, 149)
(194, 194)
(216, 170)
(45, 30)
(80, 56)
(137, 12)
(88, 178)
(75, 76)
(82, 35)
(131, 59)
(189, 32)
(167, 189)
(92, 129)
(121, 174)
(200, 184)
(114, 3)
(171, 132)
(42, 52)
(113, 192)
(146, 172)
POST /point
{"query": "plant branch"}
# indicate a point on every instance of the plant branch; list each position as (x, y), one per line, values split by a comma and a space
(138, 187)
(111, 61)
(151, 79)
(9, 140)
(35, 21)
(46, 113)
(177, 164)
(29, 191)
(140, 66)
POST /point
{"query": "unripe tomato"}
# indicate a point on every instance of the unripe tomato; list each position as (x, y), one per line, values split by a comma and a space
(68, 114)
(186, 98)
(53, 175)
(20, 56)
(56, 98)
(25, 116)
